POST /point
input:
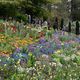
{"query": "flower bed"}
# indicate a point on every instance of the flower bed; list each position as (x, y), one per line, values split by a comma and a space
(30, 54)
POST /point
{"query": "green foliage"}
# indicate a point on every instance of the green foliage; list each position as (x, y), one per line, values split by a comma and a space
(36, 8)
(31, 60)
(75, 10)
(22, 17)
(67, 66)
(55, 1)
(64, 38)
(8, 10)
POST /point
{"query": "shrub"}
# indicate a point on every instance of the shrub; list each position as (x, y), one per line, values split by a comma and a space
(8, 10)
(22, 17)
(61, 24)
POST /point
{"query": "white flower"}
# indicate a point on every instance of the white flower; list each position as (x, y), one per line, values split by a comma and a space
(35, 64)
(33, 68)
(27, 71)
(67, 58)
(59, 64)
(53, 64)
(24, 26)
(8, 58)
(21, 69)
(38, 62)
(73, 56)
(50, 77)
(45, 56)
(0, 60)
(5, 65)
(49, 63)
(78, 52)
(15, 66)
(44, 65)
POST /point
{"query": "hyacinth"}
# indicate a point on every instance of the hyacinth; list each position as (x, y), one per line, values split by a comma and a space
(47, 50)
(31, 48)
(58, 46)
(18, 50)
(42, 41)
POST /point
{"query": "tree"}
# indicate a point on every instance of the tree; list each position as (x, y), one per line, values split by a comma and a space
(9, 8)
(77, 27)
(75, 10)
(61, 24)
(69, 27)
(63, 9)
(36, 8)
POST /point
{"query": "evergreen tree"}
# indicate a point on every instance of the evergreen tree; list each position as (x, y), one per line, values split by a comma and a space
(62, 24)
(69, 27)
(55, 25)
(75, 9)
(77, 27)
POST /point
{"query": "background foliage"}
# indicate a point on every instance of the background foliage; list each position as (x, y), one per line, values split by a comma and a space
(41, 8)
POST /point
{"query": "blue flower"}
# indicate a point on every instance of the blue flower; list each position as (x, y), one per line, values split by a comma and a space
(42, 41)
(58, 46)
(77, 39)
(17, 56)
(66, 45)
(43, 50)
(50, 51)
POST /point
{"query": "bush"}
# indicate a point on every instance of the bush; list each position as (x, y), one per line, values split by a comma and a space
(8, 10)
(22, 17)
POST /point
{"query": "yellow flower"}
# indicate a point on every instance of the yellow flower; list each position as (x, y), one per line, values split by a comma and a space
(0, 40)
(78, 52)
(5, 65)
(59, 51)
(30, 54)
(5, 52)
(62, 43)
(18, 62)
(36, 40)
(66, 33)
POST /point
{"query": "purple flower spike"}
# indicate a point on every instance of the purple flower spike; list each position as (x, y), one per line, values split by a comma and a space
(31, 48)
(18, 50)
(41, 41)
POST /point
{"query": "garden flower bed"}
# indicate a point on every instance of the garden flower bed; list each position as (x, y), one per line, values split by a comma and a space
(30, 54)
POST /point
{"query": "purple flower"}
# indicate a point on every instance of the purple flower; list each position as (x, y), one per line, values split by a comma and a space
(18, 50)
(63, 32)
(42, 50)
(47, 50)
(42, 40)
(55, 33)
(58, 46)
(31, 48)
